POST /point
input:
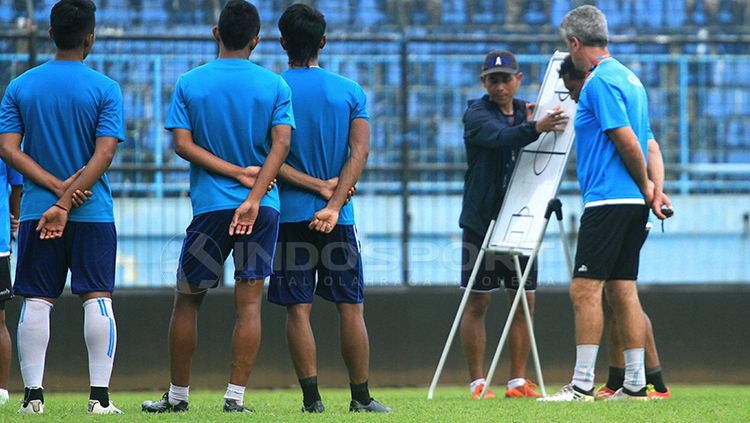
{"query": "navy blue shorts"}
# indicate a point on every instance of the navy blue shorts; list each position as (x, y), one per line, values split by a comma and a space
(497, 270)
(335, 258)
(88, 249)
(207, 246)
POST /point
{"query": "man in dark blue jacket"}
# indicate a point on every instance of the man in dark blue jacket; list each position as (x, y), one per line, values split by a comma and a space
(496, 127)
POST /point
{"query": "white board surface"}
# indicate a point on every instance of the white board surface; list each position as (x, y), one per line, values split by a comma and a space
(538, 172)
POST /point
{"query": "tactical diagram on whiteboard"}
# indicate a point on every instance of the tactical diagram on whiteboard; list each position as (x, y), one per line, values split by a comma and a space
(537, 174)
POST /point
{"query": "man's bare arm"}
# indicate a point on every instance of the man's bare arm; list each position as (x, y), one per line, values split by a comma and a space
(359, 149)
(10, 151)
(185, 147)
(247, 212)
(630, 151)
(656, 175)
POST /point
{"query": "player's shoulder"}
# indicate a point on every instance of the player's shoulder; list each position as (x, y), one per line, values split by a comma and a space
(341, 80)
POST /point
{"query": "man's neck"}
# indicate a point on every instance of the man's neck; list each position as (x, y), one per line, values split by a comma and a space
(313, 63)
(506, 109)
(69, 55)
(592, 54)
(234, 54)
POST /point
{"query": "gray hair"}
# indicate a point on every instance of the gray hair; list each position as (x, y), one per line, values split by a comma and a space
(588, 24)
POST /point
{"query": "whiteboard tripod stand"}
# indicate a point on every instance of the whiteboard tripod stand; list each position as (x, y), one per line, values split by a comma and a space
(554, 206)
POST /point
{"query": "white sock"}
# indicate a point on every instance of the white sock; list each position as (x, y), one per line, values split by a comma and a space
(178, 393)
(32, 339)
(635, 372)
(100, 333)
(516, 383)
(235, 392)
(473, 385)
(4, 397)
(583, 374)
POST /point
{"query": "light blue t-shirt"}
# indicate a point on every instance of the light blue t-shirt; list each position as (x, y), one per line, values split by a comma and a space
(611, 98)
(230, 106)
(61, 108)
(8, 177)
(325, 104)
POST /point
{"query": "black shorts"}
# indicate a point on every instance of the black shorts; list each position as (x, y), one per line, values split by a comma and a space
(497, 270)
(6, 292)
(610, 241)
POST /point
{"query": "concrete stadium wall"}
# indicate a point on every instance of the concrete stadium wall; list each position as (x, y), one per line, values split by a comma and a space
(703, 336)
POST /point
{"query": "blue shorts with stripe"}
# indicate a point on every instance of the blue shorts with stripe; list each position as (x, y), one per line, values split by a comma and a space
(87, 249)
(335, 259)
(208, 244)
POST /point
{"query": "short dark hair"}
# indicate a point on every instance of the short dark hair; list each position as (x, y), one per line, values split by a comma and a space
(239, 22)
(303, 28)
(70, 21)
(568, 68)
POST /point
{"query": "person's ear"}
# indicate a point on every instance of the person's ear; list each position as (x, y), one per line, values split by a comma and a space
(282, 41)
(254, 42)
(215, 33)
(519, 77)
(49, 32)
(88, 40)
(323, 42)
(575, 42)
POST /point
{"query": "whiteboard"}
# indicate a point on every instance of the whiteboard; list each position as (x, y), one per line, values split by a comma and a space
(539, 170)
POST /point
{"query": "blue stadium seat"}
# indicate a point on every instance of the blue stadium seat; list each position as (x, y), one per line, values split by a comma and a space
(674, 18)
(658, 103)
(535, 14)
(7, 14)
(648, 14)
(559, 9)
(714, 103)
(699, 16)
(488, 12)
(615, 16)
(368, 13)
(453, 12)
(450, 134)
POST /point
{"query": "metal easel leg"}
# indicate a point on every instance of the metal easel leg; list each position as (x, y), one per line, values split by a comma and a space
(459, 314)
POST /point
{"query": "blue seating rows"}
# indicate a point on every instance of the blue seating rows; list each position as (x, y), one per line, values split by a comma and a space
(623, 15)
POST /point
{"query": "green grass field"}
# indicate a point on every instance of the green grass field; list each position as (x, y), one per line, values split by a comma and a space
(689, 404)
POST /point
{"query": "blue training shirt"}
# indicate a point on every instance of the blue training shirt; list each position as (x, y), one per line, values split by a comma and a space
(611, 98)
(61, 108)
(325, 104)
(229, 106)
(8, 177)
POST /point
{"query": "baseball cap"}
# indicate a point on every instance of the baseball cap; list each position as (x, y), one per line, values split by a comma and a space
(499, 61)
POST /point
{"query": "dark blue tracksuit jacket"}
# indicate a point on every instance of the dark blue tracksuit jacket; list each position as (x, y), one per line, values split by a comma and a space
(491, 147)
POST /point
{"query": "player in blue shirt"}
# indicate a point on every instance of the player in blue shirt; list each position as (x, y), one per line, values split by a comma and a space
(11, 185)
(81, 125)
(317, 235)
(224, 117)
(573, 79)
(611, 146)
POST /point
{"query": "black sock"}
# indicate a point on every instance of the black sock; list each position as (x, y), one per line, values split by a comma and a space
(653, 377)
(310, 392)
(33, 394)
(101, 394)
(616, 378)
(361, 393)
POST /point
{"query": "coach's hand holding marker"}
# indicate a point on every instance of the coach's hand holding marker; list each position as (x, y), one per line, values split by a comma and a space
(554, 120)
